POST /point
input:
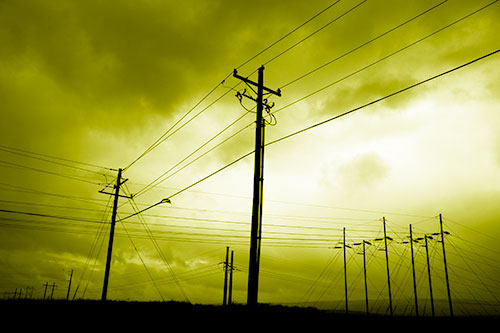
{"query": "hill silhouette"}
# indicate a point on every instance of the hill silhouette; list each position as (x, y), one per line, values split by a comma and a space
(61, 315)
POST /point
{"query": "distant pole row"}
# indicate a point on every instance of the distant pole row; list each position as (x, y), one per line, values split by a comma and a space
(412, 240)
(28, 292)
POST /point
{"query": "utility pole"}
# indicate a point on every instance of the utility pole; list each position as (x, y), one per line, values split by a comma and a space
(256, 229)
(387, 265)
(119, 182)
(226, 266)
(429, 273)
(364, 273)
(445, 265)
(413, 270)
(69, 285)
(45, 291)
(52, 293)
(230, 292)
(345, 273)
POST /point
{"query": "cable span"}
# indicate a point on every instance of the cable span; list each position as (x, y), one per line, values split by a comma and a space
(49, 172)
(328, 120)
(386, 57)
(55, 157)
(315, 32)
(384, 97)
(152, 184)
(361, 107)
(289, 33)
(363, 45)
(163, 137)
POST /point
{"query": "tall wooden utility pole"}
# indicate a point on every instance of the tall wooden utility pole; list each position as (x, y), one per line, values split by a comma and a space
(119, 182)
(413, 270)
(256, 230)
(426, 237)
(445, 264)
(387, 265)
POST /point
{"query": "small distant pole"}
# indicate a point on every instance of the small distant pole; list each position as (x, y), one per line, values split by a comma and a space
(226, 266)
(345, 273)
(52, 293)
(429, 273)
(230, 292)
(69, 285)
(387, 265)
(364, 272)
(413, 269)
(445, 265)
(45, 291)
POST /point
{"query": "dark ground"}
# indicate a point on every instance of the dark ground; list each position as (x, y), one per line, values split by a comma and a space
(175, 316)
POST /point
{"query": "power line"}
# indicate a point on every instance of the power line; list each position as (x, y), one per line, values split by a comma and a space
(143, 263)
(49, 172)
(19, 153)
(55, 157)
(152, 184)
(166, 135)
(100, 231)
(384, 97)
(331, 119)
(49, 215)
(158, 249)
(363, 106)
(319, 219)
(385, 57)
(315, 32)
(289, 33)
(362, 45)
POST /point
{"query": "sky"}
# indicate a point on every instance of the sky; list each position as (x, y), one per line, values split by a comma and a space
(87, 87)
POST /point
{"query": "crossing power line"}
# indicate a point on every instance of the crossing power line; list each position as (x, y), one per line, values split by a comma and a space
(171, 130)
(362, 69)
(361, 107)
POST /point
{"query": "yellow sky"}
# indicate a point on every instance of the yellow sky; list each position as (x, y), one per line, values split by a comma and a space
(99, 82)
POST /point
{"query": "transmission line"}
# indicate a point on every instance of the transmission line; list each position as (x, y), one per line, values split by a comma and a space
(385, 57)
(49, 172)
(157, 247)
(11, 149)
(143, 263)
(166, 135)
(152, 184)
(362, 45)
(365, 105)
(326, 121)
(384, 97)
(289, 33)
(19, 152)
(315, 32)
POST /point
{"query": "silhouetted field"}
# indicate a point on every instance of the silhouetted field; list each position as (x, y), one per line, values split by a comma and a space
(178, 316)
